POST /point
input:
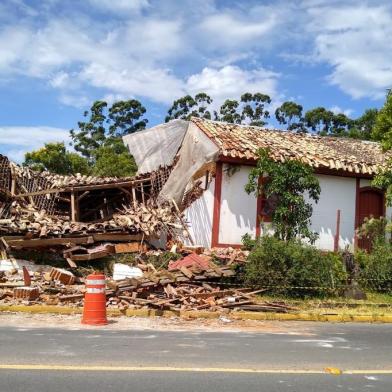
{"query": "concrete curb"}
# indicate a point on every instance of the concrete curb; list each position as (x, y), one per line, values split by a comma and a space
(342, 318)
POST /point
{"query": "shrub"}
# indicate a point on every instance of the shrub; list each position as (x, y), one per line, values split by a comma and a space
(376, 267)
(293, 268)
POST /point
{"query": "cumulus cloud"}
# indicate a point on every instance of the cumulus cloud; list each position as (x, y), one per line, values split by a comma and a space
(356, 42)
(232, 81)
(15, 141)
(337, 109)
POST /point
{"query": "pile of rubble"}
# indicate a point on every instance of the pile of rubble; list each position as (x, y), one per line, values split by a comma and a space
(136, 219)
(205, 281)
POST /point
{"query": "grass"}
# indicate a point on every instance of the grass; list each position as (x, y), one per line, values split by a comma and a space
(375, 304)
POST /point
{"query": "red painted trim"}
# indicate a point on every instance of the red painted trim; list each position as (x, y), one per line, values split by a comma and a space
(356, 224)
(337, 234)
(238, 161)
(258, 210)
(217, 205)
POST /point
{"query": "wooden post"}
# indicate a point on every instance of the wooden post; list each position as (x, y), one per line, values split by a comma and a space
(134, 196)
(74, 207)
(142, 191)
(337, 233)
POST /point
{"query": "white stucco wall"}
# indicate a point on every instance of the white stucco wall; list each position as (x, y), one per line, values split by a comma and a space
(336, 193)
(238, 209)
(199, 216)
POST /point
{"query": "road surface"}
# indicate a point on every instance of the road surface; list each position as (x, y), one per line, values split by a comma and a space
(105, 359)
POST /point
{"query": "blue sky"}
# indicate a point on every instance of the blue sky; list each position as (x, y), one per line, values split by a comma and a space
(57, 57)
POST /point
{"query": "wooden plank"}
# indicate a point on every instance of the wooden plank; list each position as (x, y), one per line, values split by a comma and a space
(82, 188)
(90, 256)
(74, 207)
(186, 272)
(117, 237)
(38, 242)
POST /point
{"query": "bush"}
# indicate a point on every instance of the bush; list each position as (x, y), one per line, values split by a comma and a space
(293, 268)
(376, 267)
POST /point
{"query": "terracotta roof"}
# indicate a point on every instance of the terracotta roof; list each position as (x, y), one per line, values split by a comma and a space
(350, 155)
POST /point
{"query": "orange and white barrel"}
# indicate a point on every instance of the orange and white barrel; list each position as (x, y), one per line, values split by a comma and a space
(94, 310)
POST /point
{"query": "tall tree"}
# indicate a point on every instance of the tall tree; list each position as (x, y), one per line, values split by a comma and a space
(363, 126)
(383, 125)
(229, 112)
(382, 131)
(188, 106)
(55, 158)
(250, 110)
(125, 117)
(319, 120)
(290, 114)
(253, 109)
(103, 124)
(341, 125)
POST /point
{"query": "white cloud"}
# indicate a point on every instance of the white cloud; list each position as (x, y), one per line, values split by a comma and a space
(356, 42)
(229, 31)
(231, 82)
(337, 109)
(15, 141)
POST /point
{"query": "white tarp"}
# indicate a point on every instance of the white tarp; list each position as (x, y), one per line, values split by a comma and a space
(156, 146)
(196, 151)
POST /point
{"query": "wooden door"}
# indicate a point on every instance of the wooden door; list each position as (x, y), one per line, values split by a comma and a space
(371, 204)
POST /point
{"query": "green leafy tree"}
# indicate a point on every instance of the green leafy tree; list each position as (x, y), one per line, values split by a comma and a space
(382, 131)
(319, 120)
(229, 112)
(188, 106)
(125, 117)
(341, 125)
(290, 114)
(55, 158)
(103, 124)
(287, 183)
(363, 126)
(383, 125)
(253, 109)
(114, 160)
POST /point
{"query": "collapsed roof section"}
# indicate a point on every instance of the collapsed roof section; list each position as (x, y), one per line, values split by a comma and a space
(45, 204)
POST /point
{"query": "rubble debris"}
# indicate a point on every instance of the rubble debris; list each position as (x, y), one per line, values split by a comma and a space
(62, 275)
(26, 293)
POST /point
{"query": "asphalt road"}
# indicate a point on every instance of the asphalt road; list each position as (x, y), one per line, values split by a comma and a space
(44, 359)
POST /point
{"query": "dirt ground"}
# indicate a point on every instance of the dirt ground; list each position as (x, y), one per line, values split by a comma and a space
(72, 322)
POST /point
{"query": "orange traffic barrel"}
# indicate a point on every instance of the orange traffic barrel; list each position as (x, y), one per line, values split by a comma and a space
(94, 310)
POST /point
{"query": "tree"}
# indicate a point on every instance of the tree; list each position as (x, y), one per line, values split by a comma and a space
(250, 110)
(287, 183)
(382, 130)
(319, 120)
(55, 158)
(114, 160)
(290, 114)
(229, 112)
(125, 117)
(363, 126)
(253, 109)
(102, 124)
(341, 125)
(187, 107)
